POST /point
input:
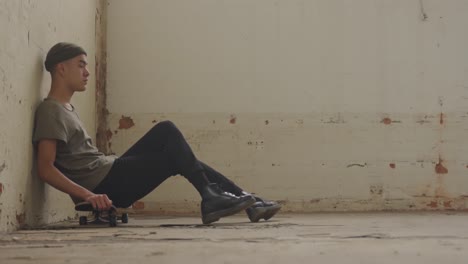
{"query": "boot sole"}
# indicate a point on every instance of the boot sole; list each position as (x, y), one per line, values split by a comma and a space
(215, 216)
(271, 212)
(265, 213)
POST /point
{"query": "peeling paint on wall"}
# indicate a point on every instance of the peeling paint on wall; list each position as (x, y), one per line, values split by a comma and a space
(311, 158)
(138, 205)
(356, 165)
(2, 167)
(376, 190)
(448, 204)
(109, 134)
(389, 121)
(126, 122)
(336, 119)
(439, 167)
(441, 118)
(424, 120)
(386, 121)
(423, 14)
(233, 119)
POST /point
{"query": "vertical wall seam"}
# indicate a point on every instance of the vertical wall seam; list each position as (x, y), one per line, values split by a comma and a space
(101, 76)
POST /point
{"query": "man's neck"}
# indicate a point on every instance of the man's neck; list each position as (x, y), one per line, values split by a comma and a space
(60, 93)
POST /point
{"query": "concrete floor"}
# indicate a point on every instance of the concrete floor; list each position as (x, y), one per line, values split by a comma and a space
(439, 237)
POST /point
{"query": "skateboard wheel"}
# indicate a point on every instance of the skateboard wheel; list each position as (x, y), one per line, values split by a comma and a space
(112, 220)
(83, 220)
(125, 218)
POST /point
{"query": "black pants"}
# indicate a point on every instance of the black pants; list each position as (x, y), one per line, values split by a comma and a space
(159, 154)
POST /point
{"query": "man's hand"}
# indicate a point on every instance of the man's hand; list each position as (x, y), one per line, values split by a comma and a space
(99, 201)
(49, 173)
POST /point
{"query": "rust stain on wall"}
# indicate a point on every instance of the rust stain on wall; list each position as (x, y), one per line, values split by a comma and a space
(440, 189)
(448, 204)
(441, 118)
(126, 122)
(433, 204)
(101, 76)
(439, 168)
(386, 121)
(138, 205)
(109, 134)
(392, 165)
(233, 119)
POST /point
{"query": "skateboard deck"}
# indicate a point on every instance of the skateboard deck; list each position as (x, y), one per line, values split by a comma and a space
(100, 216)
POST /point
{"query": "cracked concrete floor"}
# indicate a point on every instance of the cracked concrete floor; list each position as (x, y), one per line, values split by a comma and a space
(313, 238)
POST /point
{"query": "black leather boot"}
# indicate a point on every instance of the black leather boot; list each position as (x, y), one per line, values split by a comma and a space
(262, 209)
(217, 203)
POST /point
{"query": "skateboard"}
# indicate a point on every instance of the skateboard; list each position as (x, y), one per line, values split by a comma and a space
(99, 216)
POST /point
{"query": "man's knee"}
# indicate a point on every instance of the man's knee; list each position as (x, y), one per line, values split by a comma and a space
(168, 128)
(166, 125)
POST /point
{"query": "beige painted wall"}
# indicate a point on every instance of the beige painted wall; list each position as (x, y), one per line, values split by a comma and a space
(322, 104)
(28, 29)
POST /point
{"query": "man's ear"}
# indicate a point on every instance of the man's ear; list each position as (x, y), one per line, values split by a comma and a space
(60, 69)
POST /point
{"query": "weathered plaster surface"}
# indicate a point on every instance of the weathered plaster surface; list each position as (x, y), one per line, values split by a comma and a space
(28, 29)
(311, 163)
(324, 105)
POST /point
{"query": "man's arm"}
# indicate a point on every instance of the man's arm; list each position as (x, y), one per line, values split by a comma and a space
(49, 173)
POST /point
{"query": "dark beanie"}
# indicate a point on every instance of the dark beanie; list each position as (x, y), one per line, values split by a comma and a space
(61, 52)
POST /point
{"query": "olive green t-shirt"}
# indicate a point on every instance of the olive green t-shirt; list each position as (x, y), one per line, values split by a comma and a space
(76, 157)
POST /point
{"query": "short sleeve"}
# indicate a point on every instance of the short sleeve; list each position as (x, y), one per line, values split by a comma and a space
(48, 126)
